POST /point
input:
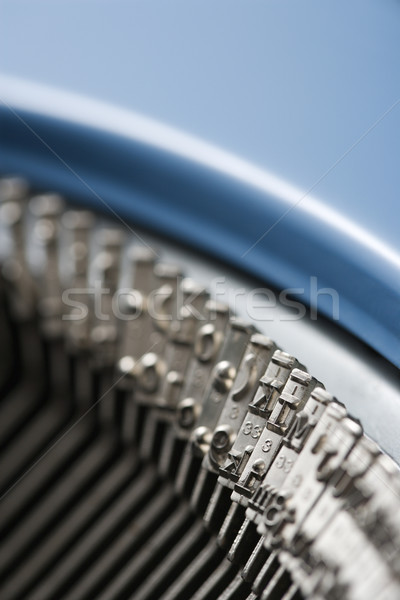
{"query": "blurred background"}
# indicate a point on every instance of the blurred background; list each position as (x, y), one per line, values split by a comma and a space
(289, 86)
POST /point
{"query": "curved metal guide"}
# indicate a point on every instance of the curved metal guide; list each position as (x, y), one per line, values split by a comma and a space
(200, 195)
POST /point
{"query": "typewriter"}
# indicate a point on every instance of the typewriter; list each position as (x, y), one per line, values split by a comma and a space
(189, 409)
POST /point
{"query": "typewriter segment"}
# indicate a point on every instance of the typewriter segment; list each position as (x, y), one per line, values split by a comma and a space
(153, 446)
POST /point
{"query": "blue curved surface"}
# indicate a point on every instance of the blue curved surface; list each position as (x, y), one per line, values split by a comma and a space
(170, 182)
